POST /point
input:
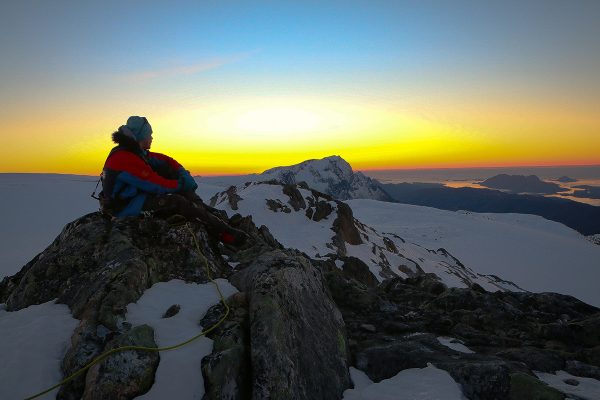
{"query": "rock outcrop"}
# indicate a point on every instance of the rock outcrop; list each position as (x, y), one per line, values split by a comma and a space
(271, 347)
(509, 334)
(293, 323)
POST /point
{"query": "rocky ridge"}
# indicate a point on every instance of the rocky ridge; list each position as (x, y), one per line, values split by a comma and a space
(325, 228)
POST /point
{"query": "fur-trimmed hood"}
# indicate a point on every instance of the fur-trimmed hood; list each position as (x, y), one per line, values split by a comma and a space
(120, 138)
(127, 143)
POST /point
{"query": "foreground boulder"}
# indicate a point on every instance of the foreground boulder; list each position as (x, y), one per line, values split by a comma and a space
(98, 266)
(293, 323)
(272, 345)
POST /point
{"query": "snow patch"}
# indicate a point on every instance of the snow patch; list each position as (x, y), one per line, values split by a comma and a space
(34, 342)
(454, 344)
(178, 374)
(410, 384)
(588, 388)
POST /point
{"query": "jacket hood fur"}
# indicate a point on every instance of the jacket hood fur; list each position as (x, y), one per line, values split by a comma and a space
(125, 141)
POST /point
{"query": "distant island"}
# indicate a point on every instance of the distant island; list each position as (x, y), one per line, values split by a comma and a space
(522, 184)
(566, 179)
(590, 192)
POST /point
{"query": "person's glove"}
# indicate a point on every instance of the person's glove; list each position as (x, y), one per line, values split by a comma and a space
(187, 182)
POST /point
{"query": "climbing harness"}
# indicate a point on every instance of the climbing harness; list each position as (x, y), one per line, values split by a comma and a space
(106, 354)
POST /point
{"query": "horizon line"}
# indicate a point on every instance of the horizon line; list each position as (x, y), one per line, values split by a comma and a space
(361, 170)
(480, 167)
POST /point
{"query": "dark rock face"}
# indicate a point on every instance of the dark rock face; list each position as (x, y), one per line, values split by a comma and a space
(232, 197)
(344, 225)
(579, 368)
(511, 333)
(535, 359)
(293, 323)
(277, 206)
(357, 269)
(227, 371)
(296, 200)
(126, 374)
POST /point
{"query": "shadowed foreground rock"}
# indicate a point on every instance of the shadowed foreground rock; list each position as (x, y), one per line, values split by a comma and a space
(286, 340)
(512, 334)
(293, 323)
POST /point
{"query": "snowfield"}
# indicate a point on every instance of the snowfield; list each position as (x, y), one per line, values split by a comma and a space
(386, 256)
(536, 254)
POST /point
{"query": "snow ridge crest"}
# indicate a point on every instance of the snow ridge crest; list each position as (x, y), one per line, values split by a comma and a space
(331, 175)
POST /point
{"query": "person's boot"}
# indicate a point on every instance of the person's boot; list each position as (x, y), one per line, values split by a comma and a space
(234, 237)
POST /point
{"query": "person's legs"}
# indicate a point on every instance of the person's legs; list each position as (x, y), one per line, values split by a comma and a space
(194, 198)
(172, 204)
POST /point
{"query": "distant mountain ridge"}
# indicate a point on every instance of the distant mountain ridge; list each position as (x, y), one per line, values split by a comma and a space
(566, 179)
(330, 175)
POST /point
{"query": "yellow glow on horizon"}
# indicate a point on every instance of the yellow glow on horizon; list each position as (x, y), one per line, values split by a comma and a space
(249, 135)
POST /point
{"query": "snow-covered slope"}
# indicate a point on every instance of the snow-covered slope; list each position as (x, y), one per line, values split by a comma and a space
(35, 208)
(536, 254)
(324, 228)
(331, 175)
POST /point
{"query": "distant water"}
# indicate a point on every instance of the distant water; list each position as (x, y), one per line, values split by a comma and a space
(470, 177)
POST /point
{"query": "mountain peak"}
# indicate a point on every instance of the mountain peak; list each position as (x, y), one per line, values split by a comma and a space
(331, 175)
(316, 164)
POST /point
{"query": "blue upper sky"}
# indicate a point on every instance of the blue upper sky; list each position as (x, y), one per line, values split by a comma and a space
(322, 44)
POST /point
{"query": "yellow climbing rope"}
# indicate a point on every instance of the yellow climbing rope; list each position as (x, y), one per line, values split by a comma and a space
(150, 349)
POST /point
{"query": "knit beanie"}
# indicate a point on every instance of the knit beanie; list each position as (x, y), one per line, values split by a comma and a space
(137, 128)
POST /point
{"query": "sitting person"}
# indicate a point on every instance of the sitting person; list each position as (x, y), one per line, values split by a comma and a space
(135, 180)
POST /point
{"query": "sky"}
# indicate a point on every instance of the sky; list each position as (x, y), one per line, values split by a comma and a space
(235, 87)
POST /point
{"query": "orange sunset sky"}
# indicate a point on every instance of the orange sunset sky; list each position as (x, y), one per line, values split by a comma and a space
(239, 87)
